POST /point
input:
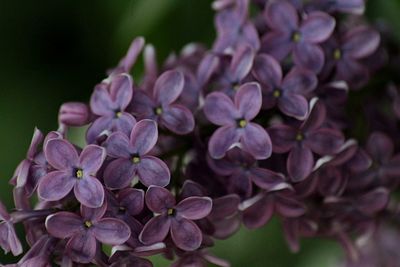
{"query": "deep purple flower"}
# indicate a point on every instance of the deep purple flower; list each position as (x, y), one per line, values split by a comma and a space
(73, 171)
(287, 93)
(311, 136)
(161, 106)
(174, 218)
(85, 230)
(8, 238)
(235, 121)
(109, 101)
(302, 38)
(132, 158)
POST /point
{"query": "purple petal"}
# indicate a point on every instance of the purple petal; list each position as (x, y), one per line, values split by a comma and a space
(91, 158)
(90, 192)
(267, 71)
(194, 208)
(317, 27)
(118, 146)
(289, 207)
(121, 90)
(221, 140)
(168, 87)
(309, 56)
(153, 171)
(373, 201)
(82, 247)
(248, 100)
(100, 102)
(97, 128)
(219, 109)
(119, 174)
(111, 231)
(325, 141)
(293, 105)
(225, 206)
(258, 214)
(241, 63)
(159, 199)
(132, 199)
(61, 154)
(256, 141)
(93, 214)
(316, 117)
(300, 163)
(64, 224)
(299, 81)
(155, 230)
(283, 137)
(37, 138)
(268, 180)
(206, 68)
(178, 119)
(142, 105)
(144, 136)
(239, 183)
(380, 146)
(277, 44)
(133, 52)
(186, 234)
(281, 16)
(361, 42)
(124, 123)
(55, 185)
(352, 72)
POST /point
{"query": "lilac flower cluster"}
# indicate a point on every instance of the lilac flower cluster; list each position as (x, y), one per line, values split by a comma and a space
(260, 125)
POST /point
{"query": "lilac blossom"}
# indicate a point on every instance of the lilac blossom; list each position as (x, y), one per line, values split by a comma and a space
(131, 158)
(289, 35)
(8, 238)
(235, 121)
(73, 171)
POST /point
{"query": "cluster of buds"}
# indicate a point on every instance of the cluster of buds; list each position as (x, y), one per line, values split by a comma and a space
(260, 125)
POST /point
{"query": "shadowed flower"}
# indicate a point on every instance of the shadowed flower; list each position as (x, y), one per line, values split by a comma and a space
(199, 258)
(287, 93)
(109, 101)
(73, 171)
(174, 218)
(84, 231)
(132, 158)
(235, 121)
(288, 35)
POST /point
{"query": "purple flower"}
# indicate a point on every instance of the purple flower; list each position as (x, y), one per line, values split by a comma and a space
(132, 158)
(73, 171)
(8, 238)
(84, 231)
(302, 38)
(109, 101)
(235, 121)
(174, 218)
(126, 63)
(161, 107)
(287, 93)
(302, 141)
(74, 114)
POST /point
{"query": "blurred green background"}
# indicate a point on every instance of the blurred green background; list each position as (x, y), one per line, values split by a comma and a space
(56, 51)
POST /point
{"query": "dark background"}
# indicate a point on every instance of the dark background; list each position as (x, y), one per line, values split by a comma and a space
(56, 51)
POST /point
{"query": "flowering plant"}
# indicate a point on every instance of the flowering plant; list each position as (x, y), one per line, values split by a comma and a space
(260, 125)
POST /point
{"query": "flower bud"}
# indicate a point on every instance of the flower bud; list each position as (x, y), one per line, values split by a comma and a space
(74, 114)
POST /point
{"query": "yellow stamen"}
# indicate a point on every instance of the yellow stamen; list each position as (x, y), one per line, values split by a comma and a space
(118, 114)
(242, 123)
(136, 159)
(79, 173)
(276, 93)
(88, 224)
(296, 37)
(159, 111)
(299, 137)
(337, 54)
(171, 212)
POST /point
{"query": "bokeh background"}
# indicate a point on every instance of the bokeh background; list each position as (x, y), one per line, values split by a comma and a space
(56, 51)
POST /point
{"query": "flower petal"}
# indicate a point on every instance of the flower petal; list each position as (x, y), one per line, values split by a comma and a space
(97, 128)
(133, 52)
(132, 199)
(352, 72)
(299, 81)
(221, 140)
(373, 201)
(90, 192)
(144, 136)
(283, 137)
(194, 208)
(186, 234)
(317, 27)
(258, 214)
(248, 100)
(64, 224)
(111, 231)
(159, 199)
(121, 90)
(153, 171)
(178, 119)
(299, 163)
(225, 206)
(309, 56)
(55, 185)
(92, 158)
(155, 230)
(241, 63)
(93, 214)
(256, 141)
(361, 42)
(325, 141)
(124, 123)
(289, 207)
(267, 70)
(119, 173)
(277, 44)
(219, 109)
(281, 16)
(61, 154)
(82, 247)
(268, 180)
(293, 105)
(118, 146)
(100, 102)
(168, 87)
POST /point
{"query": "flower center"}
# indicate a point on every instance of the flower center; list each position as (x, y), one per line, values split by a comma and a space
(235, 87)
(299, 137)
(296, 37)
(88, 224)
(158, 111)
(79, 173)
(242, 123)
(171, 212)
(337, 54)
(118, 114)
(276, 93)
(135, 159)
